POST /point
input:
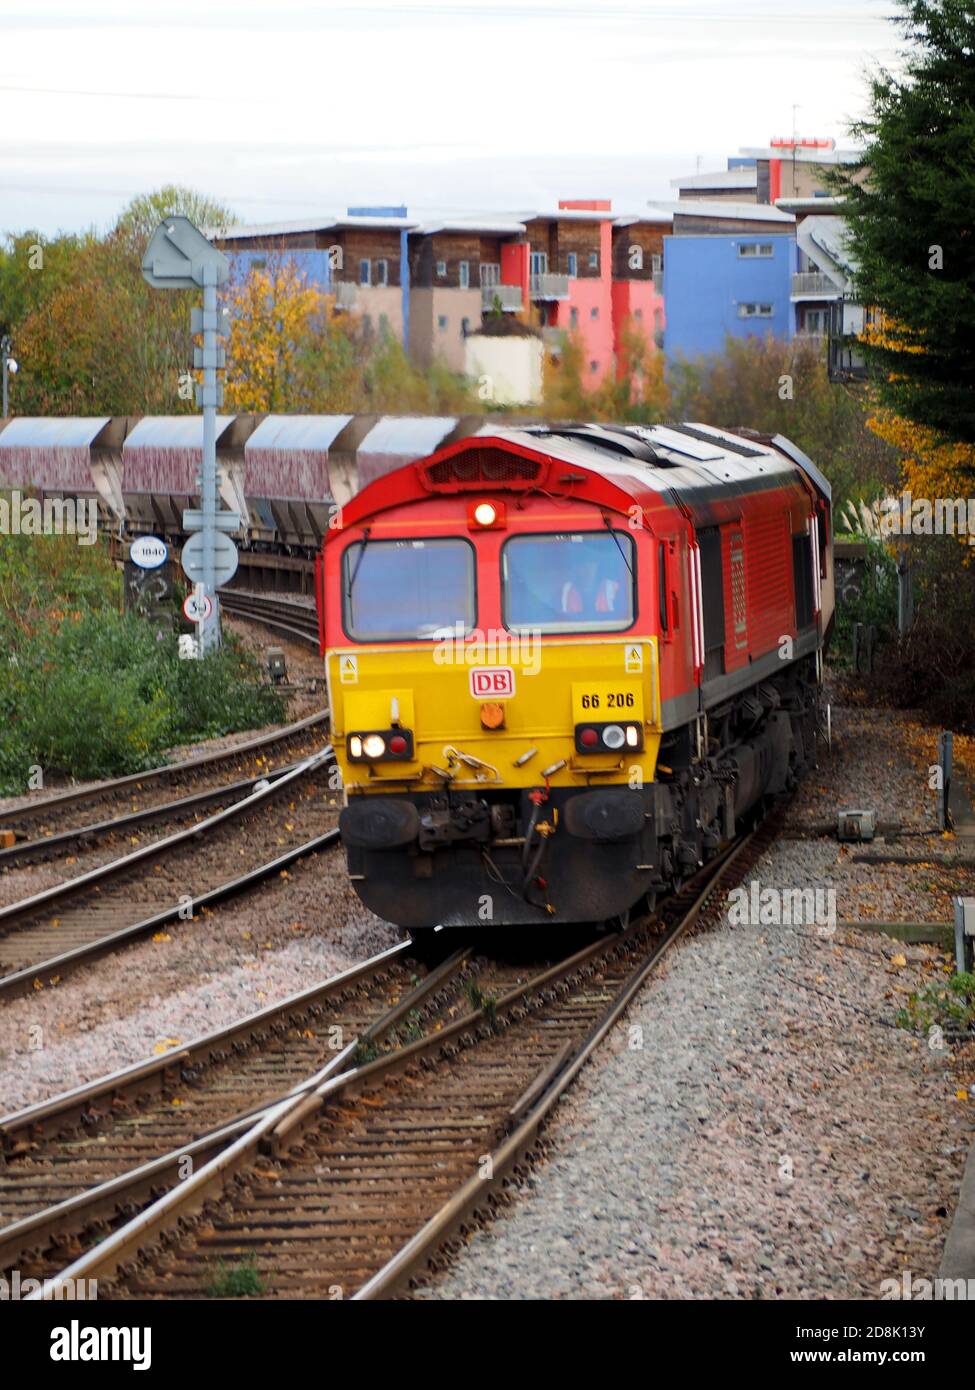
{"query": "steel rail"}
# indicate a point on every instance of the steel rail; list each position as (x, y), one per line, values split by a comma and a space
(83, 835)
(283, 1124)
(58, 892)
(530, 1111)
(51, 971)
(109, 1199)
(163, 773)
(277, 614)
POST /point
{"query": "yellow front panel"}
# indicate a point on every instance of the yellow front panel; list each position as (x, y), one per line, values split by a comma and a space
(432, 691)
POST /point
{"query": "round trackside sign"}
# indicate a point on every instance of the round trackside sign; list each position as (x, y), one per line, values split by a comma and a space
(148, 552)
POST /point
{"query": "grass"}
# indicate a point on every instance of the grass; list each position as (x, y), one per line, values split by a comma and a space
(240, 1280)
(947, 1005)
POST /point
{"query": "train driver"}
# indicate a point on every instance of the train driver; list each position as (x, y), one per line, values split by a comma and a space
(587, 592)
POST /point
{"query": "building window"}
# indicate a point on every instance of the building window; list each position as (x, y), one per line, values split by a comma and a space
(572, 265)
(638, 313)
(365, 272)
(573, 318)
(814, 321)
(465, 327)
(464, 273)
(755, 248)
(594, 366)
(539, 263)
(382, 272)
(258, 263)
(755, 311)
(490, 273)
(656, 264)
(594, 312)
(441, 270)
(442, 322)
(593, 260)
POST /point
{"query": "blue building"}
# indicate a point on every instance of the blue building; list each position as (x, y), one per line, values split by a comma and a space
(312, 265)
(736, 285)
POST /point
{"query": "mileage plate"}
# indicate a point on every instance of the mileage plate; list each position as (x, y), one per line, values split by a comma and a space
(603, 701)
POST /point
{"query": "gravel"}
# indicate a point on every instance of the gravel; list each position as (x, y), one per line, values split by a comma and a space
(757, 1127)
(191, 978)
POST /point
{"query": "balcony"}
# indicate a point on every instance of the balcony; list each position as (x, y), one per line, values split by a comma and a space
(813, 285)
(345, 292)
(549, 286)
(509, 297)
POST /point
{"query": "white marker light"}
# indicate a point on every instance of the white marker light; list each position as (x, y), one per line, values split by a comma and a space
(632, 736)
(373, 746)
(355, 746)
(485, 514)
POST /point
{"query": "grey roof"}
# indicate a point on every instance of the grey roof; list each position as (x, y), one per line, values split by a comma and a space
(746, 177)
(45, 432)
(735, 212)
(407, 434)
(312, 432)
(828, 236)
(171, 432)
(326, 222)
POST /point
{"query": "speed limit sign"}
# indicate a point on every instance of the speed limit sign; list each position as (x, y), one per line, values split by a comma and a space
(197, 607)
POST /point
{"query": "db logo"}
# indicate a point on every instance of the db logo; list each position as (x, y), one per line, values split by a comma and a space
(492, 682)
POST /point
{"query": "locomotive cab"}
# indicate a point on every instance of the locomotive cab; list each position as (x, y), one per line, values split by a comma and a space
(511, 629)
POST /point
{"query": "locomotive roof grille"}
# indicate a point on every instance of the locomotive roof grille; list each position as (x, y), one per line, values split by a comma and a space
(478, 468)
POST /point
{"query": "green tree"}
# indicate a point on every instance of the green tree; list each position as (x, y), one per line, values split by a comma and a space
(909, 202)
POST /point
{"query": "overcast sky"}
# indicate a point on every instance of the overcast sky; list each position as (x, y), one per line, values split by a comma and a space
(281, 108)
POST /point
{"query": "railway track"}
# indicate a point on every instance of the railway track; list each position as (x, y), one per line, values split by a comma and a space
(290, 618)
(71, 817)
(349, 1186)
(49, 933)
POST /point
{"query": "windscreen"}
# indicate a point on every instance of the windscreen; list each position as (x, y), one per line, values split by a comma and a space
(563, 583)
(394, 590)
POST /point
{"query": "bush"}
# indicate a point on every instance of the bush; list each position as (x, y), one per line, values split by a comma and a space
(88, 692)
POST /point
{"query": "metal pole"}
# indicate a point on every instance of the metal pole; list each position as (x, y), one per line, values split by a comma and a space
(210, 628)
(5, 355)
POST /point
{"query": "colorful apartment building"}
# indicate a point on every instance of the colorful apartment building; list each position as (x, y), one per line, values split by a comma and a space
(362, 258)
(576, 269)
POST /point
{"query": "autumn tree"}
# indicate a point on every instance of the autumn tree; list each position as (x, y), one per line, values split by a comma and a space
(102, 342)
(910, 219)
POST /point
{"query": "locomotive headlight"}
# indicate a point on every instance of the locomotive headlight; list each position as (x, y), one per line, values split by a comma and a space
(485, 515)
(603, 738)
(381, 745)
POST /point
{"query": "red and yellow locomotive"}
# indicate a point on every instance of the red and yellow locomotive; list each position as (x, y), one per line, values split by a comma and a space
(565, 663)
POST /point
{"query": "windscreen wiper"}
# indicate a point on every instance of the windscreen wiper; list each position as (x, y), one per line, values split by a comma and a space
(609, 527)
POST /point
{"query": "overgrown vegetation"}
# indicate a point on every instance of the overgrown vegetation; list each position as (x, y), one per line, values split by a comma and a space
(87, 691)
(947, 1004)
